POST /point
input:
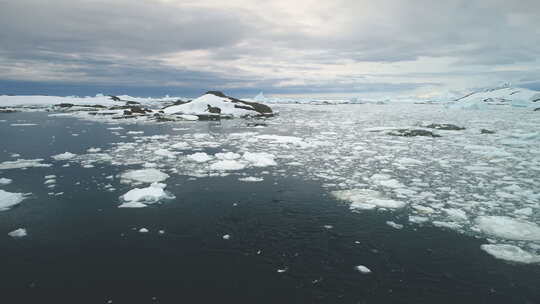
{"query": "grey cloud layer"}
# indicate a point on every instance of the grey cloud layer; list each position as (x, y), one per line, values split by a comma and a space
(126, 42)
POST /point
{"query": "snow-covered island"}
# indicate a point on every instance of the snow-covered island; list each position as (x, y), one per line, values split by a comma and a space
(212, 105)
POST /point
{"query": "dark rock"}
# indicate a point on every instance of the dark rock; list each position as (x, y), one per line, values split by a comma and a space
(412, 132)
(537, 109)
(247, 105)
(64, 105)
(486, 131)
(217, 93)
(114, 98)
(181, 102)
(446, 127)
(7, 110)
(256, 124)
(214, 110)
(129, 102)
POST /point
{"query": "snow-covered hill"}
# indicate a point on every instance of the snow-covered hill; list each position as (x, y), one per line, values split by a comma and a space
(217, 103)
(516, 97)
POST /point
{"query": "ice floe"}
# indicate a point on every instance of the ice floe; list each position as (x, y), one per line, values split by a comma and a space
(362, 269)
(510, 253)
(5, 181)
(23, 164)
(143, 176)
(149, 195)
(200, 157)
(365, 199)
(18, 233)
(509, 228)
(9, 199)
(64, 156)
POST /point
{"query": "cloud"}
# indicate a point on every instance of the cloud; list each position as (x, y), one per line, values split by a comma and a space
(279, 46)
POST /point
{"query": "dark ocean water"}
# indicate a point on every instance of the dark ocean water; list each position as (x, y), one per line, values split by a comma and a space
(81, 248)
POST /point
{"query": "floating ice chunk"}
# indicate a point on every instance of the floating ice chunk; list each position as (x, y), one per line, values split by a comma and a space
(23, 164)
(165, 153)
(189, 117)
(199, 157)
(143, 176)
(261, 159)
(385, 181)
(363, 269)
(524, 211)
(282, 270)
(143, 230)
(394, 225)
(23, 124)
(508, 228)
(8, 199)
(366, 199)
(227, 165)
(226, 237)
(227, 156)
(510, 253)
(456, 214)
(180, 145)
(64, 156)
(148, 195)
(93, 150)
(115, 128)
(449, 225)
(279, 139)
(5, 181)
(132, 205)
(18, 233)
(418, 219)
(251, 179)
(135, 132)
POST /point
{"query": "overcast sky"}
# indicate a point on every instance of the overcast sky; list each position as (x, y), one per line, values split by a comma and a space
(290, 47)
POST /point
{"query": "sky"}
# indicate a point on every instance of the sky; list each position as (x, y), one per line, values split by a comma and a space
(417, 48)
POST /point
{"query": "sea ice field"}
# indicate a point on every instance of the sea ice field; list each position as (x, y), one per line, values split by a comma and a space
(321, 203)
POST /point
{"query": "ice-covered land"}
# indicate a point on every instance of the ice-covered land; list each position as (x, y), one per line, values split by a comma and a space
(218, 104)
(506, 95)
(479, 175)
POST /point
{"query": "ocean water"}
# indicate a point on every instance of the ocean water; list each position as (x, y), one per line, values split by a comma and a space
(291, 240)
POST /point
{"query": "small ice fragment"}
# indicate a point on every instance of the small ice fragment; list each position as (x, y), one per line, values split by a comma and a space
(64, 156)
(282, 270)
(328, 226)
(394, 225)
(18, 233)
(5, 181)
(226, 237)
(143, 230)
(363, 269)
(161, 231)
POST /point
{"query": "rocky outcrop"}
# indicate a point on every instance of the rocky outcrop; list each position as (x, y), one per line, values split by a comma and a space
(445, 127)
(412, 133)
(216, 105)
